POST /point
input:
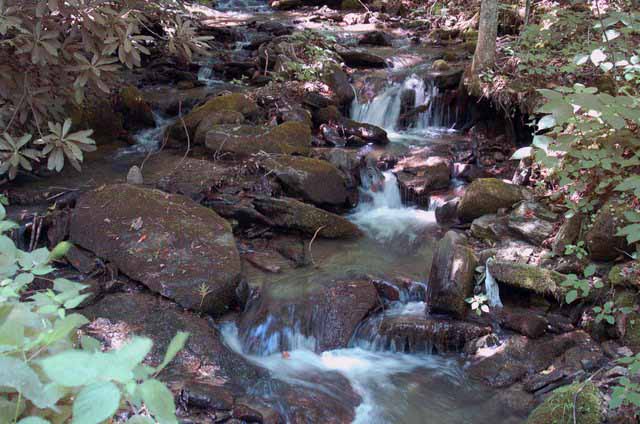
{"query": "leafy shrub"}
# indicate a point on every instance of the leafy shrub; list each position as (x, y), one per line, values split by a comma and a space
(56, 53)
(47, 374)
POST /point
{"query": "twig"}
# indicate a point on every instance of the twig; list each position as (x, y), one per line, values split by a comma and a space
(311, 243)
(186, 131)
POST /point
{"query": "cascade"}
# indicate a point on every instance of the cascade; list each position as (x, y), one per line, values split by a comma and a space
(491, 288)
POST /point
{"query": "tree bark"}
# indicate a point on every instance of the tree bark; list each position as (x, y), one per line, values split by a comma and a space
(485, 54)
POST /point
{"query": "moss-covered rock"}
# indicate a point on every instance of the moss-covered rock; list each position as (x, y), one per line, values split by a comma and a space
(244, 140)
(568, 233)
(214, 119)
(135, 109)
(559, 406)
(631, 332)
(316, 181)
(230, 102)
(601, 240)
(487, 195)
(101, 117)
(292, 215)
(626, 274)
(529, 277)
(440, 65)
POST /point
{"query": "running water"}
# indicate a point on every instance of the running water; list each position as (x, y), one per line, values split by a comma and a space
(149, 139)
(386, 109)
(382, 215)
(491, 288)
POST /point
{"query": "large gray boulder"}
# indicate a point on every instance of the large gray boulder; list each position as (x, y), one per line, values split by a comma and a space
(487, 195)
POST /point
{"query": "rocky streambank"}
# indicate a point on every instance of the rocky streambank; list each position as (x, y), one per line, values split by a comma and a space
(320, 234)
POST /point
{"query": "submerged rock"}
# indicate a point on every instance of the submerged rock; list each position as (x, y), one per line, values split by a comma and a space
(487, 195)
(320, 317)
(245, 140)
(451, 279)
(292, 215)
(167, 242)
(582, 399)
(316, 181)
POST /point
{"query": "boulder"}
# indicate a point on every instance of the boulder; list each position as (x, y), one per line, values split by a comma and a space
(376, 38)
(419, 176)
(135, 110)
(241, 141)
(325, 314)
(577, 403)
(487, 195)
(451, 279)
(212, 120)
(447, 212)
(361, 59)
(292, 215)
(169, 243)
(338, 82)
(367, 133)
(528, 277)
(532, 222)
(519, 357)
(601, 240)
(230, 102)
(489, 227)
(315, 181)
(525, 322)
(568, 233)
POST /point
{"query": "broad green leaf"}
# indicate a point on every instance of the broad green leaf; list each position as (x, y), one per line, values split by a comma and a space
(139, 419)
(96, 403)
(610, 34)
(522, 153)
(571, 296)
(64, 327)
(546, 122)
(159, 401)
(60, 251)
(590, 270)
(16, 374)
(90, 344)
(597, 56)
(134, 352)
(71, 368)
(33, 420)
(175, 346)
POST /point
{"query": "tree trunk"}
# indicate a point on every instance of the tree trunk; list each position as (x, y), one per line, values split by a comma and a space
(485, 54)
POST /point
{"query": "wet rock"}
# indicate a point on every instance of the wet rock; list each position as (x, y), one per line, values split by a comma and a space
(451, 278)
(376, 38)
(487, 195)
(602, 242)
(326, 115)
(532, 222)
(528, 277)
(447, 212)
(583, 398)
(167, 242)
(440, 65)
(625, 275)
(328, 311)
(411, 334)
(295, 114)
(135, 109)
(338, 81)
(366, 132)
(444, 78)
(360, 59)
(418, 176)
(292, 215)
(230, 102)
(241, 141)
(568, 233)
(520, 356)
(628, 327)
(489, 227)
(313, 180)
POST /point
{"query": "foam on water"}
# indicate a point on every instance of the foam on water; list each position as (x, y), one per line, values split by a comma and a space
(383, 216)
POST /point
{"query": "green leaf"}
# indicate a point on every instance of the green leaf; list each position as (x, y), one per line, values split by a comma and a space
(597, 56)
(522, 153)
(571, 296)
(159, 401)
(33, 420)
(610, 319)
(71, 368)
(590, 270)
(96, 403)
(134, 352)
(90, 344)
(175, 346)
(139, 419)
(60, 251)
(546, 122)
(18, 375)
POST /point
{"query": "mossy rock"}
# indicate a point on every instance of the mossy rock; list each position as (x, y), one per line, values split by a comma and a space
(448, 56)
(469, 46)
(230, 102)
(135, 109)
(487, 195)
(631, 336)
(528, 277)
(625, 275)
(559, 406)
(440, 65)
(244, 140)
(101, 117)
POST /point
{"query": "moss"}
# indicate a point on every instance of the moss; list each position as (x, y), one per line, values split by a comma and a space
(631, 337)
(292, 137)
(242, 140)
(449, 56)
(529, 277)
(627, 274)
(440, 65)
(558, 407)
(487, 195)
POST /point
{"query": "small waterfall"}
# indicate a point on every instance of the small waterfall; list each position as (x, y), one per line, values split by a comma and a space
(242, 5)
(491, 288)
(149, 139)
(382, 215)
(204, 73)
(413, 104)
(278, 333)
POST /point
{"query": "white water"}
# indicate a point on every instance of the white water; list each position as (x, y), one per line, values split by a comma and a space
(491, 288)
(384, 110)
(383, 216)
(148, 139)
(372, 374)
